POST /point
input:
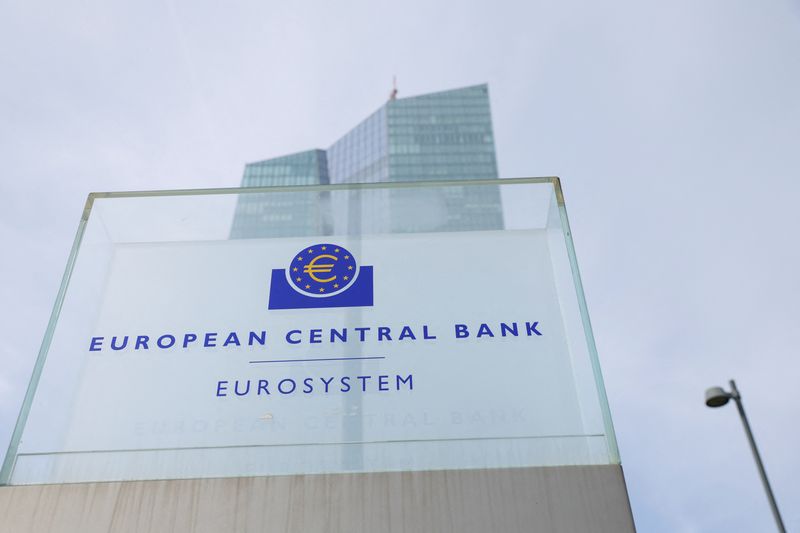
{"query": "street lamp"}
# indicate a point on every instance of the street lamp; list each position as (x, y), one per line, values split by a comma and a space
(717, 397)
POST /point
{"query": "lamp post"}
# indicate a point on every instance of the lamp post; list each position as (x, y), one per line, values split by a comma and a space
(717, 397)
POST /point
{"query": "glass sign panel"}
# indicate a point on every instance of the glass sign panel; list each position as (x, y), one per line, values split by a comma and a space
(296, 330)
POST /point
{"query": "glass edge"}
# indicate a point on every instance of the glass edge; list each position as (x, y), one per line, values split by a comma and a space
(13, 447)
(611, 437)
(315, 473)
(335, 187)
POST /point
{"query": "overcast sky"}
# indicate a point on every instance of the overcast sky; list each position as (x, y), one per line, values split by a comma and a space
(675, 127)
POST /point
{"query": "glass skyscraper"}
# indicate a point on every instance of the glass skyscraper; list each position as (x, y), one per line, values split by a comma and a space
(286, 214)
(438, 136)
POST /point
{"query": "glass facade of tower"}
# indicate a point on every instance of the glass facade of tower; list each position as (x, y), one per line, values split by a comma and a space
(445, 136)
(439, 136)
(286, 214)
(362, 155)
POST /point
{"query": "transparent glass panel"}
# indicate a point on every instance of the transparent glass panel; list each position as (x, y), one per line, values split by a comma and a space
(320, 329)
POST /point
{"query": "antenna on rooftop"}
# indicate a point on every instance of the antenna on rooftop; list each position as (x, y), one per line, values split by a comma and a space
(393, 94)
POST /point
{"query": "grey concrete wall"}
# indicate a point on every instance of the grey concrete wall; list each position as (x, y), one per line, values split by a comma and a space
(553, 499)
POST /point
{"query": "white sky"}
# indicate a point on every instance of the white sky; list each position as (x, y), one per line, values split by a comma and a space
(675, 127)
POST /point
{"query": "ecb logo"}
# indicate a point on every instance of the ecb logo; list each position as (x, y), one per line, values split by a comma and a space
(322, 275)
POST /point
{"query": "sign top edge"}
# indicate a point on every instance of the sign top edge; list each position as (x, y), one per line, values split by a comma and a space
(330, 187)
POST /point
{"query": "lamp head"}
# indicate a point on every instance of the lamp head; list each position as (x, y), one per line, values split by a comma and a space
(717, 397)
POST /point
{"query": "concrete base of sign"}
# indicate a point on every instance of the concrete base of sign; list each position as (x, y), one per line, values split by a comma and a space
(568, 498)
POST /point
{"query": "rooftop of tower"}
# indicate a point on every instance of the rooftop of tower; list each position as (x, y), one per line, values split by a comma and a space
(434, 96)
